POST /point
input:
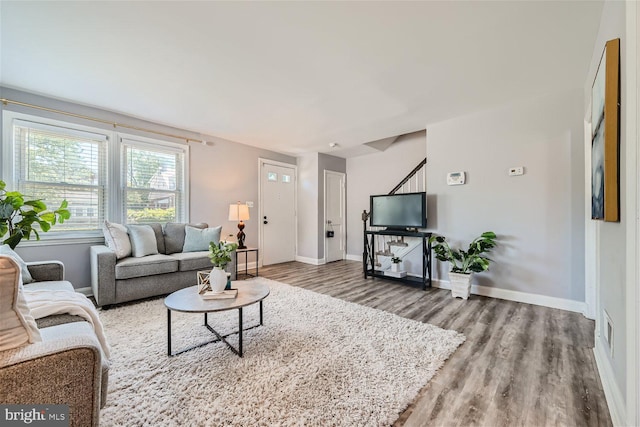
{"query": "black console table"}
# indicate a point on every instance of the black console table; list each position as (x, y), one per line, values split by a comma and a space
(369, 256)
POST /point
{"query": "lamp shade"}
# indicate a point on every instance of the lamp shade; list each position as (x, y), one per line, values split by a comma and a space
(238, 212)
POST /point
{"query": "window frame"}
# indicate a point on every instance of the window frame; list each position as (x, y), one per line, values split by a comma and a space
(115, 208)
(152, 144)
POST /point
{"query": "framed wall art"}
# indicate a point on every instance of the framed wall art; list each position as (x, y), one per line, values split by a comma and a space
(605, 136)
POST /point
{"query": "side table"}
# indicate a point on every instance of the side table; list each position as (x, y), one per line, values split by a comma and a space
(246, 251)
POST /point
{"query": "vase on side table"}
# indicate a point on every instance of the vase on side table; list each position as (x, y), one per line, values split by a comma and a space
(460, 285)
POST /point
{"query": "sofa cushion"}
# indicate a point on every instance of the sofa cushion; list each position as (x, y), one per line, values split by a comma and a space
(17, 326)
(117, 239)
(174, 235)
(157, 230)
(198, 239)
(145, 266)
(188, 261)
(143, 240)
(26, 276)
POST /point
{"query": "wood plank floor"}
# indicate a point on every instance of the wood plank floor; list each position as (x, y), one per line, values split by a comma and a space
(521, 365)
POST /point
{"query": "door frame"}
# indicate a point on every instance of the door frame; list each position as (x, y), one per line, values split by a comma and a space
(261, 163)
(343, 234)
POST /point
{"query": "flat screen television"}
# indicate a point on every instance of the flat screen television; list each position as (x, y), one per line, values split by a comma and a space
(399, 211)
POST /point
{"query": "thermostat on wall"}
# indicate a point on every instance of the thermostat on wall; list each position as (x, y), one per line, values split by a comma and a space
(455, 178)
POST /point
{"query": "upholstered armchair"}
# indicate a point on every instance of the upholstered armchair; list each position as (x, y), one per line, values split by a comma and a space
(61, 364)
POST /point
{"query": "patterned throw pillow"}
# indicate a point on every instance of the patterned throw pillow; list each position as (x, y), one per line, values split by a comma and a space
(117, 239)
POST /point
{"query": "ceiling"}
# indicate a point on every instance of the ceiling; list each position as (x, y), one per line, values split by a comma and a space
(294, 77)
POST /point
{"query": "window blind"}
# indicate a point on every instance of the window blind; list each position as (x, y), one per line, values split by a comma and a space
(54, 163)
(154, 189)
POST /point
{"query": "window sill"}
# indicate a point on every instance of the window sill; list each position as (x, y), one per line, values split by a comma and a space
(63, 240)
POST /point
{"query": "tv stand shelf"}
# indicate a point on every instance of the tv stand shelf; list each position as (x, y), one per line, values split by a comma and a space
(369, 256)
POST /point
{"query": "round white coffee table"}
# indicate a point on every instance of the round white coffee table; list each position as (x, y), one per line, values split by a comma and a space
(188, 300)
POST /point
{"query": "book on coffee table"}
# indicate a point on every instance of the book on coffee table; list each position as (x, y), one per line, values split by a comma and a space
(226, 294)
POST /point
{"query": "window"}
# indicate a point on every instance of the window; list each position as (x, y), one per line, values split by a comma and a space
(102, 174)
(54, 163)
(154, 182)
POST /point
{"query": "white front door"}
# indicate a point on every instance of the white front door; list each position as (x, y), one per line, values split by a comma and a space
(334, 213)
(277, 212)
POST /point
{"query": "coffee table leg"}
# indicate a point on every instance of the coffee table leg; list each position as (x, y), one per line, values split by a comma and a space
(206, 320)
(240, 332)
(169, 332)
(261, 313)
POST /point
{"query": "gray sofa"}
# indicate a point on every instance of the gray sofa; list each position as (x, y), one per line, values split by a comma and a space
(66, 367)
(130, 278)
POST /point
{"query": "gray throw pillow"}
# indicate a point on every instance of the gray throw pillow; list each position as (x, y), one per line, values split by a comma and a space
(174, 235)
(26, 275)
(143, 240)
(197, 239)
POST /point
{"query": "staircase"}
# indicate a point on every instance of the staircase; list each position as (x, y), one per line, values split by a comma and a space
(414, 182)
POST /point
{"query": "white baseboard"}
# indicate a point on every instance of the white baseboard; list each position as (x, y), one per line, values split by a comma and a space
(352, 257)
(506, 294)
(86, 291)
(312, 261)
(612, 392)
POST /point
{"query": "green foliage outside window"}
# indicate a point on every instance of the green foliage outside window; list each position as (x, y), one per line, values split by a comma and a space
(141, 216)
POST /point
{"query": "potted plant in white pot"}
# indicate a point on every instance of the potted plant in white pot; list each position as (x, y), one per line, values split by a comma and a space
(464, 263)
(395, 264)
(220, 256)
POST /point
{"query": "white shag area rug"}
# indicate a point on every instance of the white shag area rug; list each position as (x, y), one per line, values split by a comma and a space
(317, 361)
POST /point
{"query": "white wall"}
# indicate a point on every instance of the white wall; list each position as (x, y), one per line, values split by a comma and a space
(219, 174)
(378, 173)
(311, 167)
(615, 242)
(539, 223)
(307, 207)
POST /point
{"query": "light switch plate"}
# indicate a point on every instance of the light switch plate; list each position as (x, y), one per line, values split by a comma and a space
(250, 204)
(516, 171)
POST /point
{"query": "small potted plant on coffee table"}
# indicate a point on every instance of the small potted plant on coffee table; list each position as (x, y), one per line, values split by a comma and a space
(464, 263)
(220, 256)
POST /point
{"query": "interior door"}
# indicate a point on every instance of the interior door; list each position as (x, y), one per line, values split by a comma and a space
(278, 213)
(334, 208)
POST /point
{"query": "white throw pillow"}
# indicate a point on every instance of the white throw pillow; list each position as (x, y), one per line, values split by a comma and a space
(117, 239)
(198, 239)
(26, 275)
(17, 326)
(143, 240)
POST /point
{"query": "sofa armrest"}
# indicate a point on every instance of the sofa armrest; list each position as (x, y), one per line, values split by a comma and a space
(64, 371)
(103, 274)
(43, 271)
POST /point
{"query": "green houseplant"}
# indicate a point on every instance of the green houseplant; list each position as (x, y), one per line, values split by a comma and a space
(464, 262)
(18, 216)
(220, 253)
(220, 256)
